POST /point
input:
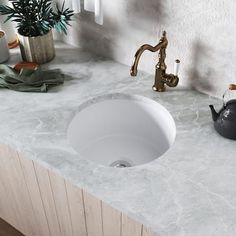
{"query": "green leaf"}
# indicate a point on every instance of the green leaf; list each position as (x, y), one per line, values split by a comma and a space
(36, 17)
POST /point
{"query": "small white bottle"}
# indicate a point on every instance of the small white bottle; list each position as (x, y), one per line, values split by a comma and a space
(8, 28)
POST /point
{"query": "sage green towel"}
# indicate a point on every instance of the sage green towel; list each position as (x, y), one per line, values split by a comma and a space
(29, 80)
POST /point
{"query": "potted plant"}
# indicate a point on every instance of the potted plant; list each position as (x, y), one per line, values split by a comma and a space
(35, 20)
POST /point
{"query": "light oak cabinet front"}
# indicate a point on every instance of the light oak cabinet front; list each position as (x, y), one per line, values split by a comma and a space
(39, 202)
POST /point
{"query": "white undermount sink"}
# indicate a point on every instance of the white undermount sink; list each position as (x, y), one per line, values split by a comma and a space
(121, 130)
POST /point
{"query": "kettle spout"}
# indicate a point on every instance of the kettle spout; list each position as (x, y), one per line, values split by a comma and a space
(214, 114)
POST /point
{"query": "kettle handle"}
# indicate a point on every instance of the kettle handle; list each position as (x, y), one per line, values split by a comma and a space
(231, 87)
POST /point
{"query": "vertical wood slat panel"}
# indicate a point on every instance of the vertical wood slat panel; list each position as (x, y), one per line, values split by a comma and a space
(4, 201)
(7, 207)
(111, 221)
(38, 202)
(93, 215)
(48, 200)
(130, 227)
(35, 195)
(76, 206)
(148, 232)
(18, 192)
(61, 203)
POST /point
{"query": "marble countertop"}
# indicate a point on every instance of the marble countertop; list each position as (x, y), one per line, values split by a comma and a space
(190, 190)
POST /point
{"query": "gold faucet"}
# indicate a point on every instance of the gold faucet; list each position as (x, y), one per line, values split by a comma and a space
(161, 77)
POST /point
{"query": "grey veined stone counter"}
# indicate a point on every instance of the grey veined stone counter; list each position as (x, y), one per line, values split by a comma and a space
(190, 190)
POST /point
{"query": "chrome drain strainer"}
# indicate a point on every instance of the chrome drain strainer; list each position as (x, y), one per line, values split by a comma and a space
(120, 164)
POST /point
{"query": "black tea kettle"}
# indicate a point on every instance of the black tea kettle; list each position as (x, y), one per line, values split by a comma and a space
(225, 119)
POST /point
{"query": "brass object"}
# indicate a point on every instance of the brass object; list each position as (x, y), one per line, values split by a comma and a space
(14, 44)
(26, 65)
(232, 86)
(38, 49)
(161, 77)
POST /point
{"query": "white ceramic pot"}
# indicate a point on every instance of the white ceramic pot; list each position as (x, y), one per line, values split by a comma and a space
(4, 50)
(8, 27)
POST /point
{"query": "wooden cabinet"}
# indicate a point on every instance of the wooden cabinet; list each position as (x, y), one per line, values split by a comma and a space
(39, 202)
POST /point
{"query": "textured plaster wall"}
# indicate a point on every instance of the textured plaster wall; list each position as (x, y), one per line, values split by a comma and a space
(202, 34)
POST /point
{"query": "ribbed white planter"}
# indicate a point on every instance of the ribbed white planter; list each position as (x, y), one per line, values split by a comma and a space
(38, 49)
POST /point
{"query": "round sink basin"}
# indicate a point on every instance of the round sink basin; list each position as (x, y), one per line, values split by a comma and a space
(122, 130)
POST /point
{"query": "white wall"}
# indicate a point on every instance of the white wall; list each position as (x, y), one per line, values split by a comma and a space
(202, 34)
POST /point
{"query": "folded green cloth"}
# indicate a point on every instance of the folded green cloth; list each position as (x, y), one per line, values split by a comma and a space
(29, 80)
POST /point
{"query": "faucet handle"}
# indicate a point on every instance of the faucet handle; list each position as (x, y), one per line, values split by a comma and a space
(176, 67)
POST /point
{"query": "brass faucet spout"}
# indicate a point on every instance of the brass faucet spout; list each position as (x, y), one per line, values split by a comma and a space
(134, 67)
(162, 44)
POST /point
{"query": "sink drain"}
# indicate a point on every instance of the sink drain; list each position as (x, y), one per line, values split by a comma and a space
(120, 164)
